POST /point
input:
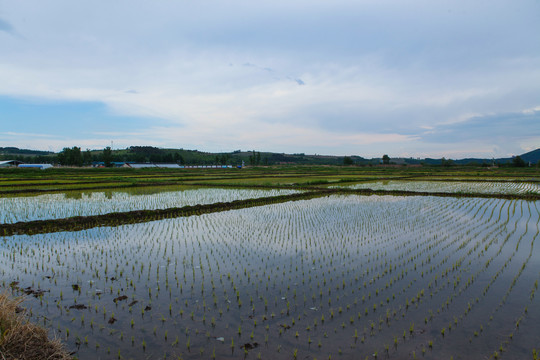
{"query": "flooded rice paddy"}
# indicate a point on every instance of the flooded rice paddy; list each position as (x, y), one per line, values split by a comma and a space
(341, 277)
(85, 203)
(488, 187)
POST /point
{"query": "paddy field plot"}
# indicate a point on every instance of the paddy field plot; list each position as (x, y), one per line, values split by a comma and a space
(486, 187)
(341, 276)
(85, 203)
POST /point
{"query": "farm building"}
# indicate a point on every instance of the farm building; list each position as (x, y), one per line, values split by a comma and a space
(36, 166)
(176, 166)
(20, 164)
(169, 166)
(10, 163)
(113, 164)
(162, 166)
(139, 166)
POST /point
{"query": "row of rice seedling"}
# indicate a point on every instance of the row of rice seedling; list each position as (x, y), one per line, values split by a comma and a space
(484, 187)
(347, 276)
(62, 205)
(474, 318)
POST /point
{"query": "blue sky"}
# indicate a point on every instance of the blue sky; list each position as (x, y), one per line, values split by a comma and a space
(368, 77)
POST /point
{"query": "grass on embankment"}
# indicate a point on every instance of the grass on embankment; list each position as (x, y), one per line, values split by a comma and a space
(22, 340)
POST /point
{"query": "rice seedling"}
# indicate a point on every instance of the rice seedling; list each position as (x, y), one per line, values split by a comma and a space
(63, 205)
(420, 268)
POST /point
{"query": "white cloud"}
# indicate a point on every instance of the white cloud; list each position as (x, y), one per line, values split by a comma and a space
(339, 76)
(9, 134)
(531, 110)
(528, 143)
(50, 142)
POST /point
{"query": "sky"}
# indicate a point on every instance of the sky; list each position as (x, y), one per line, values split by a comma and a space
(407, 78)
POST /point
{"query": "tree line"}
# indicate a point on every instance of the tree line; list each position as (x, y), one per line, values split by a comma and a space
(75, 156)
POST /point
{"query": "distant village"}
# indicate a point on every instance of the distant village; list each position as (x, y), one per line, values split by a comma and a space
(115, 164)
(138, 157)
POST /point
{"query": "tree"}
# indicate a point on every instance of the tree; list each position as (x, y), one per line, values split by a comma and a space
(87, 157)
(167, 158)
(156, 158)
(447, 163)
(63, 157)
(347, 160)
(177, 158)
(517, 161)
(70, 157)
(107, 156)
(252, 158)
(223, 159)
(385, 159)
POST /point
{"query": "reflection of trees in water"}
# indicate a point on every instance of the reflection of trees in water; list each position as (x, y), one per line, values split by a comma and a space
(109, 194)
(75, 195)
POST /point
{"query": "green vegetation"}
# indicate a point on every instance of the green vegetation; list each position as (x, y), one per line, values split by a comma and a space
(75, 156)
(19, 181)
(141, 154)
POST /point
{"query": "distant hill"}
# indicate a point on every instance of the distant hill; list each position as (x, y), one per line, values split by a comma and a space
(26, 152)
(531, 156)
(483, 161)
(195, 157)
